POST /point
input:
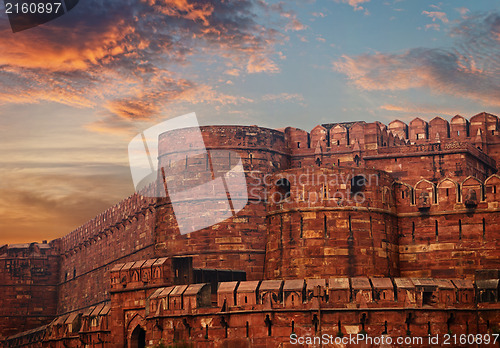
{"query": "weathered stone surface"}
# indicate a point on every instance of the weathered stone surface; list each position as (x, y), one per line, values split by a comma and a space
(396, 226)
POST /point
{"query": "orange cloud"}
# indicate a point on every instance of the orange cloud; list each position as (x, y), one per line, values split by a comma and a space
(183, 9)
(261, 63)
(48, 49)
(419, 109)
(29, 212)
(118, 57)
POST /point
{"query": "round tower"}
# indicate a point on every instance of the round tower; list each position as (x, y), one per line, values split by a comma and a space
(219, 182)
(331, 222)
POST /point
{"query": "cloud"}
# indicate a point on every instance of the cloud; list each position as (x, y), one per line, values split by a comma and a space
(283, 97)
(470, 70)
(319, 14)
(434, 26)
(354, 3)
(435, 15)
(462, 10)
(258, 63)
(147, 101)
(413, 109)
(121, 115)
(233, 72)
(293, 24)
(123, 53)
(35, 204)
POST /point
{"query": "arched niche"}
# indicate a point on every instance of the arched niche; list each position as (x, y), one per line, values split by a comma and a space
(447, 192)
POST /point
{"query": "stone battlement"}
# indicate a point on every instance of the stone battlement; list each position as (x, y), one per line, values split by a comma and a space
(105, 222)
(190, 312)
(402, 228)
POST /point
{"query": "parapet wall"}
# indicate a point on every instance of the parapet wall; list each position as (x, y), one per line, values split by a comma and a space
(124, 232)
(472, 146)
(448, 228)
(252, 313)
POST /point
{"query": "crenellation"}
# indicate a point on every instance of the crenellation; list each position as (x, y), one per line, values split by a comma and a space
(399, 128)
(353, 227)
(439, 129)
(418, 131)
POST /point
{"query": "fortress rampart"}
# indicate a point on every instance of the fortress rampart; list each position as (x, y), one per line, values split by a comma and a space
(259, 313)
(121, 233)
(407, 202)
(333, 222)
(237, 243)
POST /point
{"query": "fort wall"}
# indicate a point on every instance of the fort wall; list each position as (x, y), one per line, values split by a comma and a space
(331, 222)
(238, 243)
(259, 313)
(29, 284)
(124, 232)
(432, 214)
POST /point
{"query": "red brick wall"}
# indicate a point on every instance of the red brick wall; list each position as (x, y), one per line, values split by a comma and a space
(323, 230)
(28, 278)
(238, 242)
(140, 228)
(120, 234)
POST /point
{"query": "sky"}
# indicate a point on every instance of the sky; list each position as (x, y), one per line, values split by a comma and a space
(75, 91)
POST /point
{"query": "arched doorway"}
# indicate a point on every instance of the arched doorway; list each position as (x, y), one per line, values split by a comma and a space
(138, 338)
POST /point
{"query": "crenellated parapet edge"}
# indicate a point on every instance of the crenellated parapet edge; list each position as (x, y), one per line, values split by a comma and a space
(108, 222)
(83, 326)
(479, 130)
(274, 309)
(339, 292)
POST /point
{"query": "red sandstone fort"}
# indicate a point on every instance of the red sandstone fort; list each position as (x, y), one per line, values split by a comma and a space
(407, 245)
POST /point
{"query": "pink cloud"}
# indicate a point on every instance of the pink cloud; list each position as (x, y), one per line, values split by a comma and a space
(472, 70)
(261, 63)
(434, 26)
(435, 15)
(319, 14)
(356, 4)
(293, 24)
(462, 10)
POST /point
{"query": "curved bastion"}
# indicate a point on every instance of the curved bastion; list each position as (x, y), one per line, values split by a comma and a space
(237, 241)
(333, 222)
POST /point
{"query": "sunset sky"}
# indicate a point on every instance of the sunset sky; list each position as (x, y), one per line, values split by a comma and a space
(74, 92)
